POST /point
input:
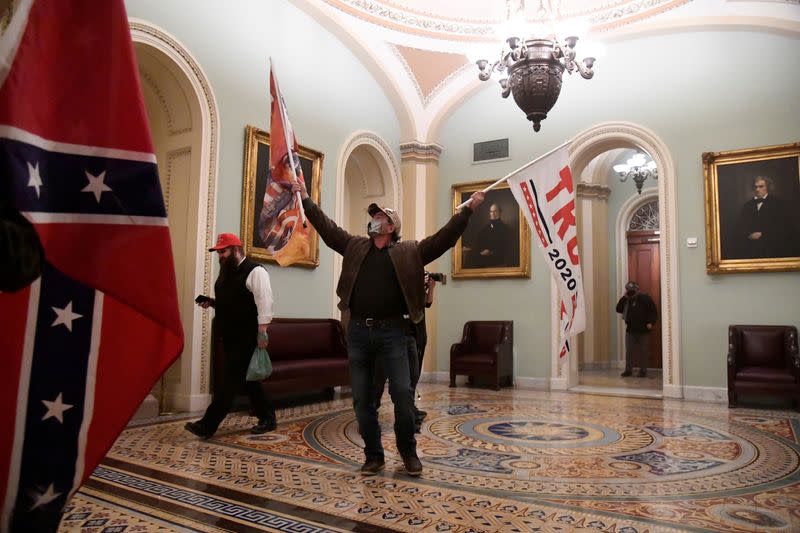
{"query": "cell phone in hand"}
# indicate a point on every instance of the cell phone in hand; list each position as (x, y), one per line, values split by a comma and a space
(202, 298)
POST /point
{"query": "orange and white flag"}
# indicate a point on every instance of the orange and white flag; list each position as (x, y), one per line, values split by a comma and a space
(280, 224)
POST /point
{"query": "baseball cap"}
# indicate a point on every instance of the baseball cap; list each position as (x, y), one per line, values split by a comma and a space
(390, 213)
(631, 286)
(224, 240)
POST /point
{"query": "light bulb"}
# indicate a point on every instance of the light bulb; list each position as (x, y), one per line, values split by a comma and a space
(637, 160)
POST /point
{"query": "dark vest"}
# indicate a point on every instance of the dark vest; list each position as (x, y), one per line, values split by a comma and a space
(235, 311)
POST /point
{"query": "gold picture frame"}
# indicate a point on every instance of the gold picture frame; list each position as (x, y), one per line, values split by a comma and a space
(255, 180)
(745, 233)
(503, 251)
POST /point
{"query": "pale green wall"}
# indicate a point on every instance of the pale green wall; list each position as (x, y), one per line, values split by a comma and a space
(698, 91)
(740, 92)
(329, 95)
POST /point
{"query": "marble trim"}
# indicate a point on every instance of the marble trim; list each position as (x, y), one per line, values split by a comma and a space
(419, 152)
(199, 340)
(705, 394)
(606, 136)
(584, 189)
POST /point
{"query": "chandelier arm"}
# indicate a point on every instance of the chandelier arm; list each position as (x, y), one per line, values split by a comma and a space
(586, 72)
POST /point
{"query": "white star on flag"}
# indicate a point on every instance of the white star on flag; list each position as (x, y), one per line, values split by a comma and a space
(96, 185)
(65, 316)
(56, 408)
(45, 497)
(34, 180)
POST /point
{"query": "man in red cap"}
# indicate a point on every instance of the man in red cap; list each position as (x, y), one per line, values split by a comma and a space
(382, 286)
(243, 305)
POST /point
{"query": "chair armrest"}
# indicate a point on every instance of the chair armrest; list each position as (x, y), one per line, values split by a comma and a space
(457, 348)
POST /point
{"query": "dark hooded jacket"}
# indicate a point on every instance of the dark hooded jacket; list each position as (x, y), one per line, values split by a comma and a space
(408, 257)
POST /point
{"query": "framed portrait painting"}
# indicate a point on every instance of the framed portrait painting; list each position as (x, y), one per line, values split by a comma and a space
(753, 209)
(257, 178)
(496, 243)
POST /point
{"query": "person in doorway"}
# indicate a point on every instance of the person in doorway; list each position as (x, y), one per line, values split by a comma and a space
(380, 287)
(640, 315)
(243, 306)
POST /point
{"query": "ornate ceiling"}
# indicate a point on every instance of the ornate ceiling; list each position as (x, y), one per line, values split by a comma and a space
(449, 19)
(416, 49)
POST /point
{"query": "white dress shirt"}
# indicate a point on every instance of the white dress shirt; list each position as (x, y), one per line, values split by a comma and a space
(258, 283)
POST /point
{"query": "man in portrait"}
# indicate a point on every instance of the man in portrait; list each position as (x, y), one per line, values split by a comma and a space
(492, 245)
(766, 229)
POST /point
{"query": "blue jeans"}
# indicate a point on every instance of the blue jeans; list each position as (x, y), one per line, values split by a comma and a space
(366, 345)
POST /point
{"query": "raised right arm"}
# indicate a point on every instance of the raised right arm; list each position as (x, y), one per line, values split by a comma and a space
(335, 237)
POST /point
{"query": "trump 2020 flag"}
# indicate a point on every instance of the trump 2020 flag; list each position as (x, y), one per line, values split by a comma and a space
(546, 194)
(279, 225)
(83, 344)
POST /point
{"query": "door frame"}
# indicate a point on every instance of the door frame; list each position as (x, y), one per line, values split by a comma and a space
(624, 216)
(193, 392)
(584, 148)
(646, 238)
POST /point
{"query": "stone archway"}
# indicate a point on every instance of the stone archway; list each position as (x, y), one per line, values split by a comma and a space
(185, 124)
(613, 135)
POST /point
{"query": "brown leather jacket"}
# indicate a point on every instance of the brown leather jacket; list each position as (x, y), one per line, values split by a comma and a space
(409, 257)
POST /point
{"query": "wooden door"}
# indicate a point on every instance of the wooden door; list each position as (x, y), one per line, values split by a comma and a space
(644, 267)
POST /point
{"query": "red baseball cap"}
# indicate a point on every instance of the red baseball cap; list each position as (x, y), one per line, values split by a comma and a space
(225, 240)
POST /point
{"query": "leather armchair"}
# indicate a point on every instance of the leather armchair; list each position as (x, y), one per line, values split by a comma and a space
(763, 361)
(486, 349)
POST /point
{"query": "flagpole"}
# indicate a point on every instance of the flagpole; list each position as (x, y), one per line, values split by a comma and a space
(289, 144)
(523, 167)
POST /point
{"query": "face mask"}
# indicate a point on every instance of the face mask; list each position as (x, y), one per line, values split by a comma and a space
(376, 227)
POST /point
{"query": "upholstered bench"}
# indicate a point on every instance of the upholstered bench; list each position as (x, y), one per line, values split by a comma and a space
(307, 354)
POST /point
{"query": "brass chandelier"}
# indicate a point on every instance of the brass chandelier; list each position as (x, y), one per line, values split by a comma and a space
(535, 61)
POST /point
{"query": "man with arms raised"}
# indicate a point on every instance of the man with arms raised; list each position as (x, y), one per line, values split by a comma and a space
(381, 285)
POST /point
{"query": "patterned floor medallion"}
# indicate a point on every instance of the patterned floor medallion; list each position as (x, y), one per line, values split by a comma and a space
(504, 461)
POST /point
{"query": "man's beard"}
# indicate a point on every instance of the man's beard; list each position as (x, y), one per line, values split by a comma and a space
(227, 266)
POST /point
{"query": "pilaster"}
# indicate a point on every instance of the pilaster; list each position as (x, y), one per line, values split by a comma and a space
(419, 169)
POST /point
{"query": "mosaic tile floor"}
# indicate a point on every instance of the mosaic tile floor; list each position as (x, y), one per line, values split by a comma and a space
(495, 461)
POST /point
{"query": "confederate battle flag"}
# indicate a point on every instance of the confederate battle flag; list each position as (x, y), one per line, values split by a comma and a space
(84, 343)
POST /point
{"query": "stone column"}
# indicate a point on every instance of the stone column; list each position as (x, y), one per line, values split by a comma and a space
(419, 169)
(593, 237)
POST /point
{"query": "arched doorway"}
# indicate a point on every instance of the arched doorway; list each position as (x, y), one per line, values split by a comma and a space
(586, 147)
(184, 124)
(638, 256)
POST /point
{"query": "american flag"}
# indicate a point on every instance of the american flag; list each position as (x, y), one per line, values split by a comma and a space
(84, 343)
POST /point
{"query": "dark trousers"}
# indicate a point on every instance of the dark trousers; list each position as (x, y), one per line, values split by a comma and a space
(637, 343)
(389, 344)
(237, 359)
(421, 338)
(413, 368)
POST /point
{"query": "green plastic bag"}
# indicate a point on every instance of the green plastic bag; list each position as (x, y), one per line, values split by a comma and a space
(260, 366)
